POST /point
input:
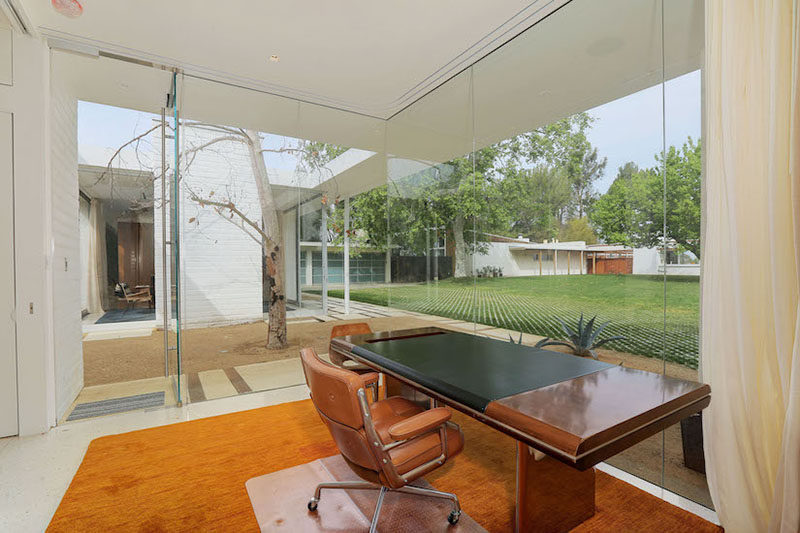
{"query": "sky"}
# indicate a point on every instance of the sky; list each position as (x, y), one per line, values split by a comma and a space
(628, 129)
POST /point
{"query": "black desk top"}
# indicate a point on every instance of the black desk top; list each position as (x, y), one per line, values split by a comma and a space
(475, 371)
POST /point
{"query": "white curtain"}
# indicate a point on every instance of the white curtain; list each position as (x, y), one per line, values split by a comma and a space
(97, 258)
(751, 260)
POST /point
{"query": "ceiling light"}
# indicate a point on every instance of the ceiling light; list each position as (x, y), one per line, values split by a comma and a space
(68, 8)
(274, 58)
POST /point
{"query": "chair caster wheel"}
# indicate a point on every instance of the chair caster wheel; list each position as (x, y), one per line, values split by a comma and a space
(453, 517)
(312, 504)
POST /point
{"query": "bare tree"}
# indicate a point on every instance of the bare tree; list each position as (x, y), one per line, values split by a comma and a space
(268, 233)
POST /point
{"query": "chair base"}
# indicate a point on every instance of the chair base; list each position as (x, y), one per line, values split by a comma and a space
(455, 514)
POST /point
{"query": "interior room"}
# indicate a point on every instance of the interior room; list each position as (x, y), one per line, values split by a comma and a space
(518, 267)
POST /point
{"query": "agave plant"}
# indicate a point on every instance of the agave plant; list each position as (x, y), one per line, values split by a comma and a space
(582, 341)
(512, 341)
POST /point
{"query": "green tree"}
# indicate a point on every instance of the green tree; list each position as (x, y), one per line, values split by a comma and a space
(632, 212)
(535, 198)
(578, 229)
(620, 214)
(528, 184)
(460, 196)
(561, 145)
(684, 188)
(583, 191)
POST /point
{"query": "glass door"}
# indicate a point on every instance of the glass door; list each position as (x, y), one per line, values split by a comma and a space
(170, 217)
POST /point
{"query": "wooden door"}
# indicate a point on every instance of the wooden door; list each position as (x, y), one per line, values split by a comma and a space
(135, 243)
(127, 253)
(145, 267)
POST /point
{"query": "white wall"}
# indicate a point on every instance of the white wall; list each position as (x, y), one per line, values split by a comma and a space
(27, 99)
(221, 265)
(646, 261)
(525, 263)
(682, 270)
(67, 259)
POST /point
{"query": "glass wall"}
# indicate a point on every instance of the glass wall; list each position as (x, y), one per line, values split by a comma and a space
(556, 183)
(430, 190)
(263, 185)
(123, 226)
(682, 174)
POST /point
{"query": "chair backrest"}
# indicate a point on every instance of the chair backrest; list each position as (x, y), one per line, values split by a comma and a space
(346, 329)
(121, 290)
(334, 392)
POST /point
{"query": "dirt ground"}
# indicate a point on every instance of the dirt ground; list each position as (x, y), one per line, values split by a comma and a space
(116, 360)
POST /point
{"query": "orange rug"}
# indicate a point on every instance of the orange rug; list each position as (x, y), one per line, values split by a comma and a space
(191, 477)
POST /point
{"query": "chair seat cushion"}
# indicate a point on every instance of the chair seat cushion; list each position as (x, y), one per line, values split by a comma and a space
(388, 412)
(419, 450)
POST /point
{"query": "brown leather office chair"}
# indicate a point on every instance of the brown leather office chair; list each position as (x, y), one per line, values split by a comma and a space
(388, 443)
(349, 329)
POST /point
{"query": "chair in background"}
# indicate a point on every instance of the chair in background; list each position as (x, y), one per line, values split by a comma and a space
(388, 443)
(349, 329)
(139, 295)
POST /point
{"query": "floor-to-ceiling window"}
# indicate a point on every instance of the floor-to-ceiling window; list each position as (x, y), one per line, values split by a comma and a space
(555, 185)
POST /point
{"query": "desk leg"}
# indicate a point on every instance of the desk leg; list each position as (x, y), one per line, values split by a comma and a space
(551, 496)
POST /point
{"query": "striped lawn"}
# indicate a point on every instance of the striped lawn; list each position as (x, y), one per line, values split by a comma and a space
(634, 306)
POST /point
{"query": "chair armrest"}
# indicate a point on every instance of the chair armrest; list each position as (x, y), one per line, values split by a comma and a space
(143, 292)
(420, 423)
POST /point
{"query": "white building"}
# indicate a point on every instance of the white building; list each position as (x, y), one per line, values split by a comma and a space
(521, 257)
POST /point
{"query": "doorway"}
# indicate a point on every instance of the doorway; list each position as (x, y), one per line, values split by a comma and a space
(129, 276)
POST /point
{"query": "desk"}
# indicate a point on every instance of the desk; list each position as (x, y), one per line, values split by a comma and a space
(567, 413)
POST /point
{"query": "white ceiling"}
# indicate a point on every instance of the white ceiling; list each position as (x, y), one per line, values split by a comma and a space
(585, 54)
(366, 56)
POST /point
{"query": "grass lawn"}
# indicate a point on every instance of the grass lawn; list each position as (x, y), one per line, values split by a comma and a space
(633, 304)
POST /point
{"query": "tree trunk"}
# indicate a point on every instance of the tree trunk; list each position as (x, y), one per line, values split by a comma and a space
(273, 246)
(461, 247)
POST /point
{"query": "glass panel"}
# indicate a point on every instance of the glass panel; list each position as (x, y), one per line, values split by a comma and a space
(173, 338)
(566, 112)
(262, 191)
(683, 453)
(122, 197)
(431, 207)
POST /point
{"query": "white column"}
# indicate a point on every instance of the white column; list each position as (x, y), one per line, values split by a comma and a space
(347, 255)
(388, 269)
(323, 237)
(555, 261)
